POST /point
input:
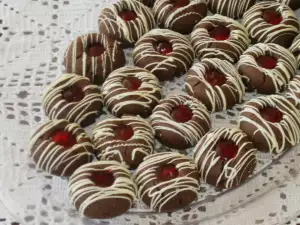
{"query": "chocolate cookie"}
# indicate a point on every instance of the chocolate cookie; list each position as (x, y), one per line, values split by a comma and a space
(73, 98)
(268, 68)
(180, 121)
(102, 190)
(126, 21)
(179, 15)
(271, 122)
(94, 56)
(148, 3)
(271, 22)
(293, 91)
(295, 49)
(219, 37)
(216, 83)
(131, 91)
(294, 4)
(127, 140)
(165, 53)
(231, 8)
(225, 157)
(167, 181)
(59, 147)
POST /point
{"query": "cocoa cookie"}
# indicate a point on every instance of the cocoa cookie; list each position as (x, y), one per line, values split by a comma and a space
(180, 121)
(271, 22)
(126, 21)
(179, 15)
(59, 147)
(131, 91)
(73, 98)
(127, 140)
(165, 53)
(293, 91)
(102, 190)
(231, 8)
(294, 4)
(94, 56)
(216, 83)
(148, 3)
(295, 49)
(167, 181)
(267, 68)
(219, 37)
(225, 157)
(271, 122)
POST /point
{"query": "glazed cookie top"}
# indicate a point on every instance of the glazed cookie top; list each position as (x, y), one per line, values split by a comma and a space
(285, 124)
(275, 63)
(228, 147)
(295, 49)
(293, 91)
(148, 3)
(126, 19)
(221, 37)
(74, 98)
(215, 82)
(59, 146)
(294, 4)
(271, 22)
(166, 172)
(98, 181)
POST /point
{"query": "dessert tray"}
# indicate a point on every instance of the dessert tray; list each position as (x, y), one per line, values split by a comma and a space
(34, 36)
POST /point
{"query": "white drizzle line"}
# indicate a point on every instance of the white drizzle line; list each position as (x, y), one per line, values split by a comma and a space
(147, 173)
(233, 169)
(142, 140)
(281, 74)
(293, 91)
(115, 93)
(218, 100)
(295, 49)
(235, 8)
(288, 129)
(191, 131)
(51, 155)
(236, 44)
(82, 189)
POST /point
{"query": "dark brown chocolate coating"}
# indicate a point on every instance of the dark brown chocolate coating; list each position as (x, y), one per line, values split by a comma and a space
(294, 4)
(293, 91)
(148, 3)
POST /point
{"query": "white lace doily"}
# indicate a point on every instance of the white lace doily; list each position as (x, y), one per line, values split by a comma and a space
(33, 37)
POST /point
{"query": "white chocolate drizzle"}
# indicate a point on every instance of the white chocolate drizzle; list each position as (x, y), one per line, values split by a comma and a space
(295, 49)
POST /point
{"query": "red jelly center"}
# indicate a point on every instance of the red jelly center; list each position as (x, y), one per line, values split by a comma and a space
(227, 149)
(64, 138)
(123, 132)
(128, 15)
(220, 33)
(272, 17)
(132, 83)
(167, 172)
(95, 50)
(271, 114)
(73, 94)
(215, 78)
(180, 3)
(267, 62)
(103, 178)
(182, 114)
(164, 48)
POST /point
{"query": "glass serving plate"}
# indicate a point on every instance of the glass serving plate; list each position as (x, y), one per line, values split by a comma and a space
(33, 38)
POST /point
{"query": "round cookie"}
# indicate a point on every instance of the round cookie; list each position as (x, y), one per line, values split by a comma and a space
(220, 37)
(165, 53)
(131, 91)
(231, 8)
(167, 181)
(74, 98)
(127, 140)
(59, 147)
(179, 15)
(94, 56)
(102, 190)
(294, 4)
(225, 157)
(267, 68)
(180, 121)
(271, 122)
(293, 91)
(216, 83)
(271, 22)
(126, 21)
(295, 49)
